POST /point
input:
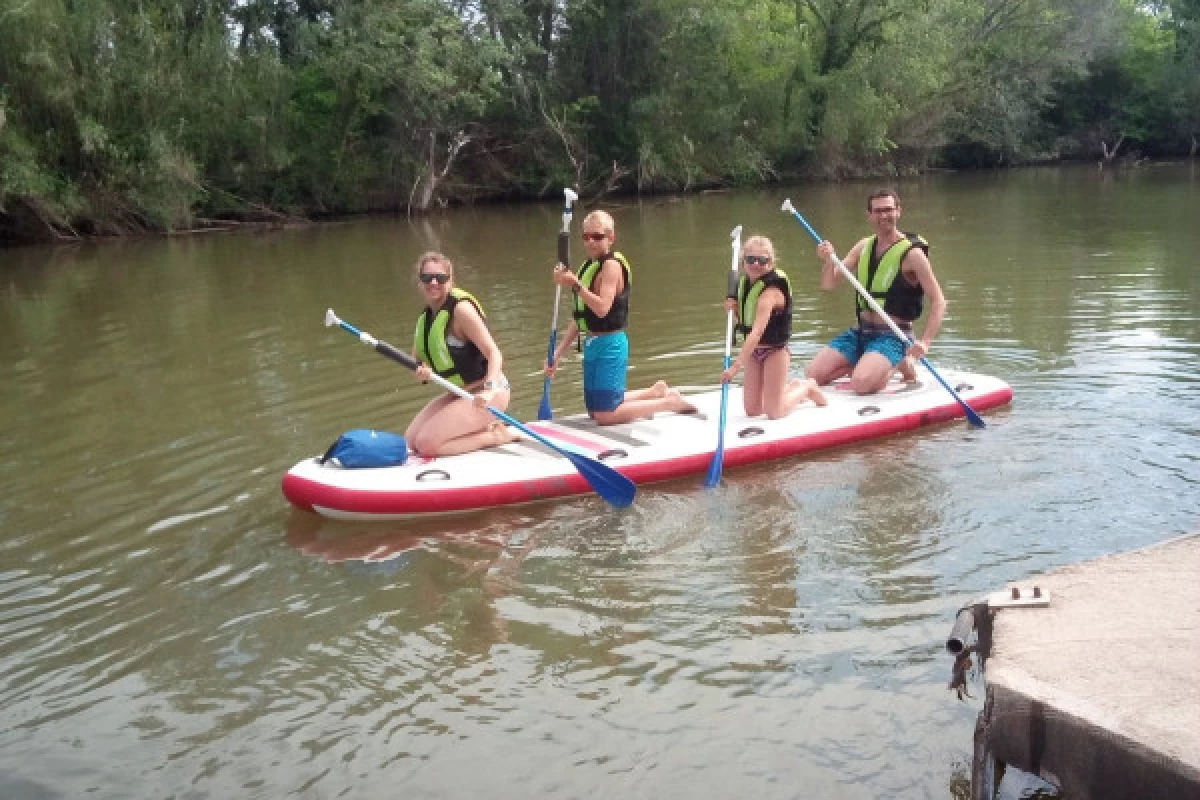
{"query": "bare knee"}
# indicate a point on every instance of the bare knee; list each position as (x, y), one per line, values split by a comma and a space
(826, 369)
(814, 374)
(419, 445)
(605, 417)
(424, 444)
(869, 384)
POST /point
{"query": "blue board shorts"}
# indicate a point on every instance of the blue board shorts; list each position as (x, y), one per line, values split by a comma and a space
(857, 342)
(605, 361)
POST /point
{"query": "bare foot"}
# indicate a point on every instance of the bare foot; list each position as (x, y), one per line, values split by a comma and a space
(808, 389)
(678, 404)
(501, 433)
(815, 394)
(659, 389)
(907, 369)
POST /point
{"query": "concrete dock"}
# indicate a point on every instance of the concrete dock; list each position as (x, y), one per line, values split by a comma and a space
(1096, 689)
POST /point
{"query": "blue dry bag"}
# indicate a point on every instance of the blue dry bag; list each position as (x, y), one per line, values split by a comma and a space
(362, 448)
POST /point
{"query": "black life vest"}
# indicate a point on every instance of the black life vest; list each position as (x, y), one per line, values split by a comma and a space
(882, 276)
(779, 327)
(618, 316)
(460, 363)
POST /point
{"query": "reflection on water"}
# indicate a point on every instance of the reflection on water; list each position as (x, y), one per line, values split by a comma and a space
(168, 625)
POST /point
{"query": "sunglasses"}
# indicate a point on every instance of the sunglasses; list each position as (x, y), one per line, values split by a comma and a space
(595, 237)
(752, 260)
(434, 277)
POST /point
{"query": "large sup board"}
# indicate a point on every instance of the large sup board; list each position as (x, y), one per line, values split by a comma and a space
(664, 447)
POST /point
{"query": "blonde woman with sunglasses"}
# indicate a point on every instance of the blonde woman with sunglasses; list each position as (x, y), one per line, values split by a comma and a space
(453, 340)
(601, 311)
(763, 306)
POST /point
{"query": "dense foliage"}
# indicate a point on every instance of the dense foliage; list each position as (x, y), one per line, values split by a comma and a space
(150, 115)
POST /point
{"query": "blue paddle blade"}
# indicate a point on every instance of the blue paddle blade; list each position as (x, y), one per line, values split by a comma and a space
(972, 416)
(608, 483)
(714, 469)
(544, 410)
(718, 459)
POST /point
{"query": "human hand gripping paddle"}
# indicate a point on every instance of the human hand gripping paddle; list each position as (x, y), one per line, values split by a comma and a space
(608, 483)
(714, 468)
(972, 416)
(564, 258)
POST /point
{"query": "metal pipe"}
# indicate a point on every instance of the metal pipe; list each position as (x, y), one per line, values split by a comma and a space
(964, 624)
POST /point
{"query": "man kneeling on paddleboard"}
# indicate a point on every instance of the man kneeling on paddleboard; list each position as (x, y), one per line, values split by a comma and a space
(894, 267)
(601, 312)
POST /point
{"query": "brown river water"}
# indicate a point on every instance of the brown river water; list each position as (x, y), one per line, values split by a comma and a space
(171, 628)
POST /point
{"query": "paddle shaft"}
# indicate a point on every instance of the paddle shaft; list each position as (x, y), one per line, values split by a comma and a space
(564, 258)
(718, 459)
(972, 416)
(848, 275)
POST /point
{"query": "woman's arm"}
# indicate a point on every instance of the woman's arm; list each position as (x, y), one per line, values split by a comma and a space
(768, 301)
(471, 327)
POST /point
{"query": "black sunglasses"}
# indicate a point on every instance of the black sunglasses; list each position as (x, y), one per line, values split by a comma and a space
(434, 277)
(752, 260)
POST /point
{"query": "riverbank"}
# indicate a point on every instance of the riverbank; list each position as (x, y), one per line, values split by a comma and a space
(31, 223)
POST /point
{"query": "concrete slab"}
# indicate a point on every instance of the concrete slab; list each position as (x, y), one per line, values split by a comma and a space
(1098, 691)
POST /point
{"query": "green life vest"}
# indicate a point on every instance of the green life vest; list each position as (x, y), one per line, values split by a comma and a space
(779, 327)
(898, 298)
(618, 316)
(461, 363)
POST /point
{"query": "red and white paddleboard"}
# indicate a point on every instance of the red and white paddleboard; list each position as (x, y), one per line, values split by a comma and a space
(667, 446)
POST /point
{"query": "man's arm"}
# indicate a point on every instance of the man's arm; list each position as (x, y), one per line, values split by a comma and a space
(830, 274)
(917, 266)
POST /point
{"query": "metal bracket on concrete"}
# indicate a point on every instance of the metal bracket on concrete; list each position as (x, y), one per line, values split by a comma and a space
(1031, 596)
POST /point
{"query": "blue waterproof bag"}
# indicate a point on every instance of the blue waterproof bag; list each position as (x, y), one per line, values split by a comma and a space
(363, 448)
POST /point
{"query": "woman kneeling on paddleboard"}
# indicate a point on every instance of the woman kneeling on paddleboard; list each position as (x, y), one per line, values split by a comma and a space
(602, 288)
(452, 339)
(764, 311)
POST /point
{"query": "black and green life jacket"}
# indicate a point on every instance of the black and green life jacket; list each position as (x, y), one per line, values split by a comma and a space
(461, 363)
(618, 316)
(779, 327)
(899, 298)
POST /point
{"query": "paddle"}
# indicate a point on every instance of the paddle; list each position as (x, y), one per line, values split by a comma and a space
(714, 468)
(972, 417)
(608, 483)
(564, 258)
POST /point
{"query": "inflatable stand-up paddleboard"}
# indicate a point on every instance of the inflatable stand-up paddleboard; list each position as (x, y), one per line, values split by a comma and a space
(646, 451)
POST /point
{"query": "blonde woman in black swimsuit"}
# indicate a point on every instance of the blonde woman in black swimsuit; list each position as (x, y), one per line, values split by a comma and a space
(764, 311)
